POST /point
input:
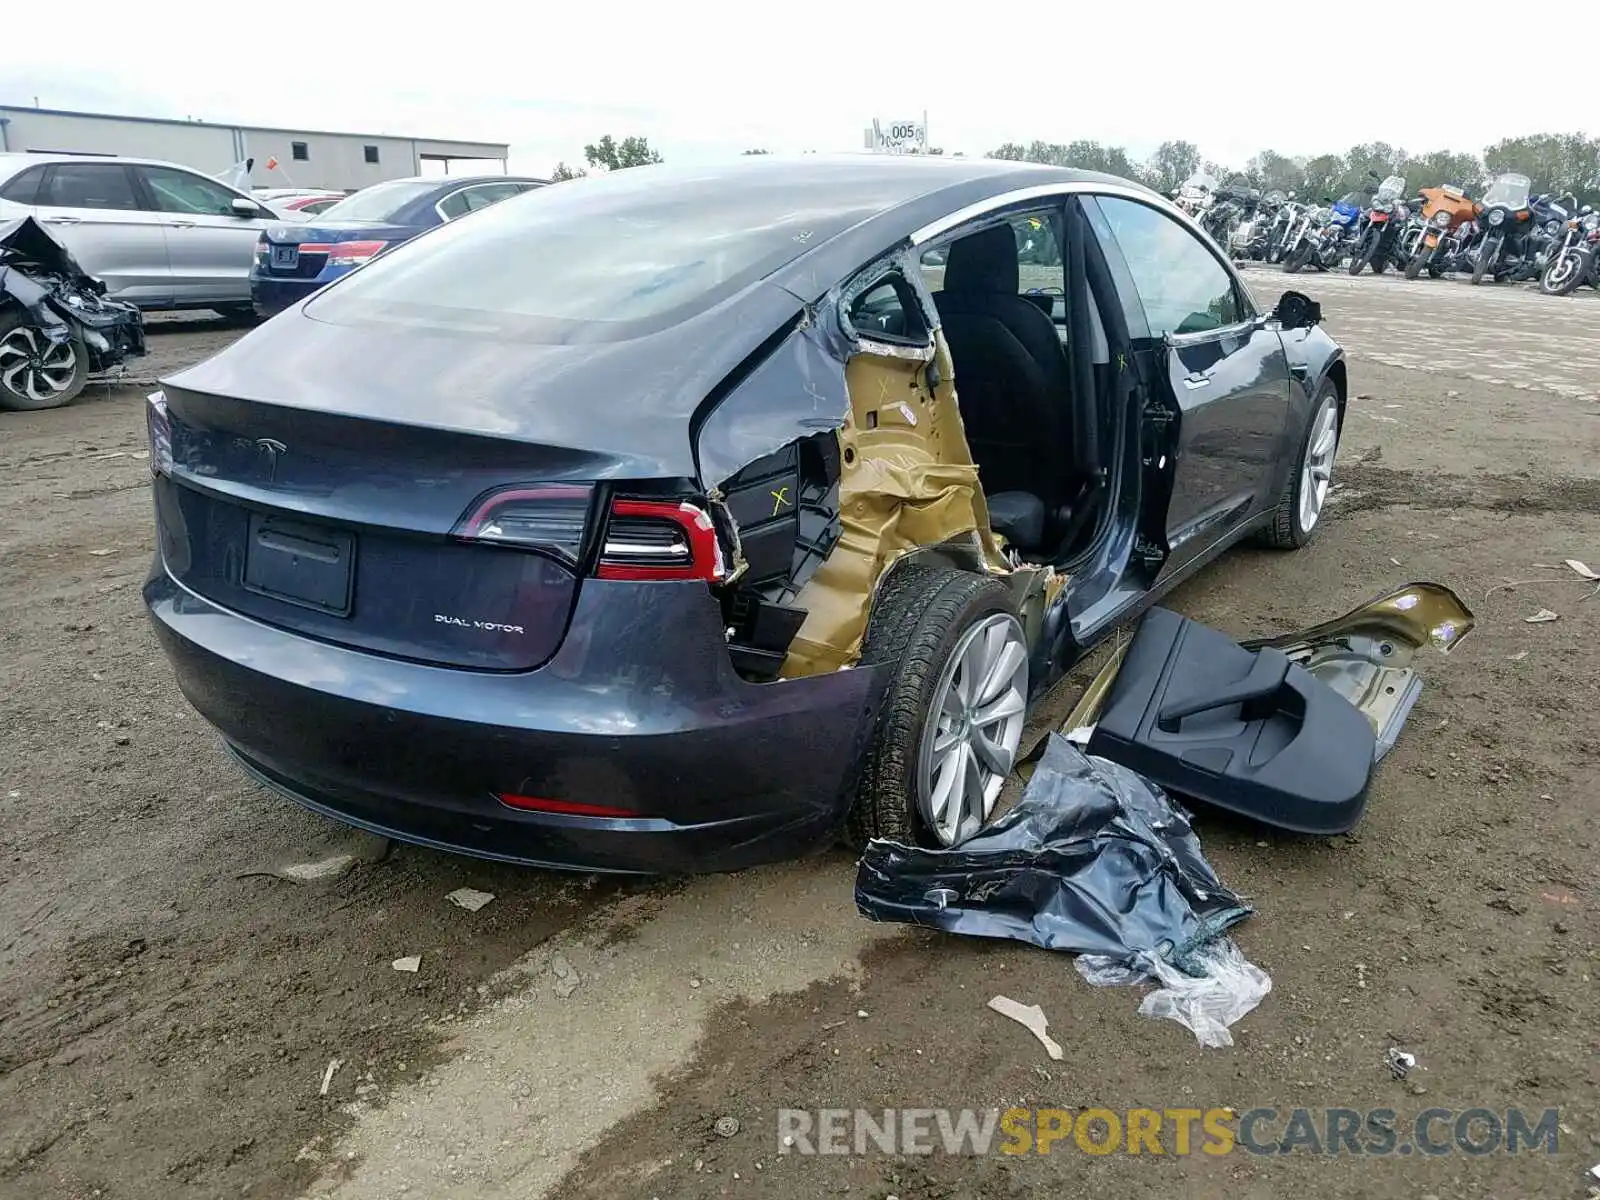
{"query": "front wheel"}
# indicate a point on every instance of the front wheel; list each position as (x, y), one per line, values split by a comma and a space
(1565, 273)
(1418, 260)
(1297, 258)
(1363, 255)
(36, 372)
(1305, 493)
(1488, 254)
(951, 721)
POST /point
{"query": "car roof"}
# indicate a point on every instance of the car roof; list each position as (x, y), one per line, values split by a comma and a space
(14, 161)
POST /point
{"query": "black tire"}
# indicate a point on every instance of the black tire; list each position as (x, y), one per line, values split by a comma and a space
(1286, 531)
(916, 622)
(1417, 261)
(1379, 263)
(14, 395)
(1293, 264)
(1363, 254)
(238, 314)
(1572, 280)
(1482, 259)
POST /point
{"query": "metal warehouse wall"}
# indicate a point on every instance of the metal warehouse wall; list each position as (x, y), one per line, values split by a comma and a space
(337, 161)
(207, 148)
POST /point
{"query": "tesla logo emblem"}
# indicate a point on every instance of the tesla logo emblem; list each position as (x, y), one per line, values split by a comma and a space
(270, 449)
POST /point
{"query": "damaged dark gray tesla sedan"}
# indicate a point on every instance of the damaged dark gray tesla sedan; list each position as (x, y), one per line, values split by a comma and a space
(681, 518)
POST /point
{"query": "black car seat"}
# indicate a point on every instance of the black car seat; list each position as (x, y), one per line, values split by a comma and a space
(1010, 371)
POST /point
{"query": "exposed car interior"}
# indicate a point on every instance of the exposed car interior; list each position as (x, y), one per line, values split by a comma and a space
(1037, 445)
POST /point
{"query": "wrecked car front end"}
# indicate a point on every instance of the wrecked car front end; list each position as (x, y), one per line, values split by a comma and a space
(56, 325)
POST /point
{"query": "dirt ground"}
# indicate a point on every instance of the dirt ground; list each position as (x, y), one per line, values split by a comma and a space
(168, 1014)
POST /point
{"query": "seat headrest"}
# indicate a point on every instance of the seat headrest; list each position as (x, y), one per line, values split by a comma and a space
(983, 262)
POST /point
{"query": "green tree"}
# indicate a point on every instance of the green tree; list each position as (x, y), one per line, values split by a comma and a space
(1553, 162)
(1269, 169)
(756, 152)
(564, 172)
(610, 155)
(1322, 176)
(1440, 167)
(1170, 165)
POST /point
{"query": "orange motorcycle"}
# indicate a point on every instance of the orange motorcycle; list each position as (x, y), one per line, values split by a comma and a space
(1445, 211)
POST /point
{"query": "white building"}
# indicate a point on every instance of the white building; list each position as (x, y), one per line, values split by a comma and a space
(299, 158)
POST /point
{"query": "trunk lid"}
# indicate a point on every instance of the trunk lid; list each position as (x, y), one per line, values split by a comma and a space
(299, 251)
(342, 529)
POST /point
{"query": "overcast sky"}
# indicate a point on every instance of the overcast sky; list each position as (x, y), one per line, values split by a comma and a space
(705, 78)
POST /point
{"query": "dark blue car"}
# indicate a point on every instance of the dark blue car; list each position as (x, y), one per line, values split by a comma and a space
(683, 517)
(292, 261)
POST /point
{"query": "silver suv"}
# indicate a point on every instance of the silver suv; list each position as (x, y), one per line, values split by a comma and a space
(159, 235)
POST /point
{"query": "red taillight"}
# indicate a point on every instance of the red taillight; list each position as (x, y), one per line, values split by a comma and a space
(660, 540)
(549, 517)
(644, 539)
(350, 254)
(570, 808)
(1380, 217)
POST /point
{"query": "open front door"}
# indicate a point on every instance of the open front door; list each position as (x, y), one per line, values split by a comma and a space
(1223, 378)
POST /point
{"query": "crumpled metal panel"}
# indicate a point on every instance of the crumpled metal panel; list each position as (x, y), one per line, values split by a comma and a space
(40, 274)
(1092, 860)
(907, 482)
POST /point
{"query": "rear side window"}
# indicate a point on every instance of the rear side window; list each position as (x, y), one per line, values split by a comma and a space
(473, 198)
(23, 188)
(180, 192)
(599, 260)
(1183, 288)
(88, 185)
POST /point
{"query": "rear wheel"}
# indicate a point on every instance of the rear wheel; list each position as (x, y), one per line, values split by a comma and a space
(238, 314)
(1306, 493)
(35, 372)
(951, 722)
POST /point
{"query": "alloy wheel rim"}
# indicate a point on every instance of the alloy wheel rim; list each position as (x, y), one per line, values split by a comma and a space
(33, 366)
(1317, 472)
(1564, 266)
(969, 742)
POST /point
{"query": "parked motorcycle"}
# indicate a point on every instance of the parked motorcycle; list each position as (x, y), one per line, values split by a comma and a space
(1303, 245)
(1284, 223)
(1252, 237)
(1504, 219)
(1550, 217)
(1194, 194)
(1378, 242)
(1575, 259)
(1445, 209)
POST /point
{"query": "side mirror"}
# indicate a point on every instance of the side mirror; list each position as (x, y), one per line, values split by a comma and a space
(1296, 310)
(246, 208)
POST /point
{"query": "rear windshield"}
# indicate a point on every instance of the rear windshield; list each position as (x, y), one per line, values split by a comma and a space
(595, 260)
(380, 201)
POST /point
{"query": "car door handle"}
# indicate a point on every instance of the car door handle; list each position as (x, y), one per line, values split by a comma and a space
(62, 220)
(181, 224)
(1196, 380)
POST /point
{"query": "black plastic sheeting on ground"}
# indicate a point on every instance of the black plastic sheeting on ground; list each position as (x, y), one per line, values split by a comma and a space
(1093, 860)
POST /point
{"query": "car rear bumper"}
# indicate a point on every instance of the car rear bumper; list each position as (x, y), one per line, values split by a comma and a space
(722, 773)
(271, 294)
